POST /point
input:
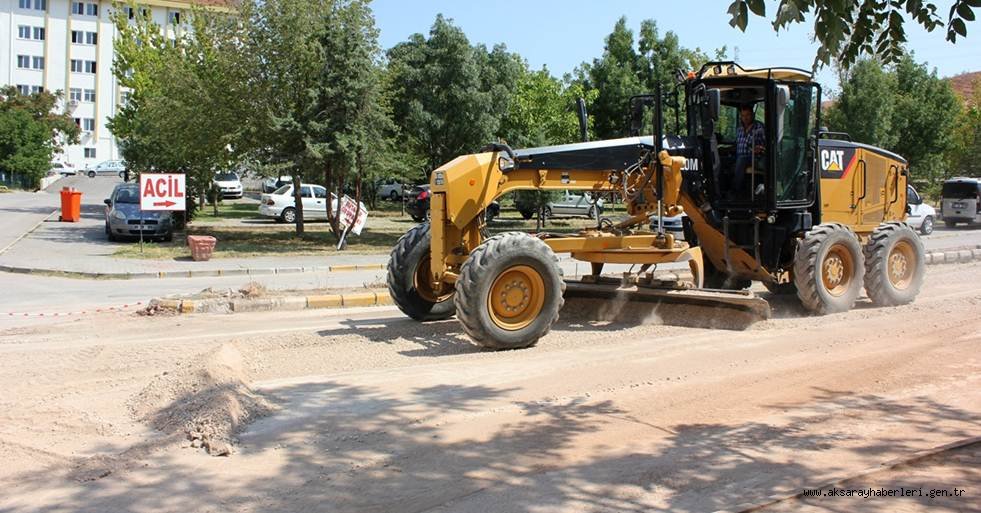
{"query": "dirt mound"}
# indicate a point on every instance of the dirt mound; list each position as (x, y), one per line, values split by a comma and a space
(208, 400)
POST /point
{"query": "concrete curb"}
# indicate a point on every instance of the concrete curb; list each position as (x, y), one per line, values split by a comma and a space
(264, 271)
(372, 297)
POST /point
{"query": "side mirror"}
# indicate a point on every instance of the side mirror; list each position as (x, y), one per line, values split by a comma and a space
(583, 120)
(108, 202)
(713, 100)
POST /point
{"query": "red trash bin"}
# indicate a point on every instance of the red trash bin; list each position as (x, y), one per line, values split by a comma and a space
(71, 205)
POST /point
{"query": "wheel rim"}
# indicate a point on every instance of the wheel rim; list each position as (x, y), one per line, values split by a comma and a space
(838, 270)
(516, 297)
(423, 285)
(902, 263)
(928, 225)
(290, 216)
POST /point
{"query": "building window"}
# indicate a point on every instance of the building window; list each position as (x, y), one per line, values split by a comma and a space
(175, 16)
(92, 9)
(78, 8)
(77, 37)
(23, 32)
(88, 124)
(124, 98)
(24, 89)
(24, 4)
(90, 153)
(37, 62)
(80, 66)
(75, 94)
(41, 5)
(36, 89)
(90, 95)
(84, 38)
(130, 12)
(24, 61)
(91, 38)
(39, 33)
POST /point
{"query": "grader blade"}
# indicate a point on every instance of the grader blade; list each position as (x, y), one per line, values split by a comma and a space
(698, 308)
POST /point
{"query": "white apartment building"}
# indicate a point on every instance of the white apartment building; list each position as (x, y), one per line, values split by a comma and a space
(67, 45)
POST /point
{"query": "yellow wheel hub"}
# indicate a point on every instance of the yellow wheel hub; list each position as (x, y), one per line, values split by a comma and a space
(901, 264)
(837, 270)
(516, 297)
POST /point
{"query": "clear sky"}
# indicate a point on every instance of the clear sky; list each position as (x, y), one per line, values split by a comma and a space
(561, 34)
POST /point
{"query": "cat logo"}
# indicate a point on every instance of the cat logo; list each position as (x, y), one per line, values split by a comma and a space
(836, 161)
(832, 160)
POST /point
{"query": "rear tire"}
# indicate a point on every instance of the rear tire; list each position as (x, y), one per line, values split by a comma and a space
(394, 196)
(91, 174)
(509, 292)
(927, 227)
(895, 264)
(828, 269)
(288, 215)
(408, 279)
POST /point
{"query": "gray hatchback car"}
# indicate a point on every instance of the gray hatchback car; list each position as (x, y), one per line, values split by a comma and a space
(125, 221)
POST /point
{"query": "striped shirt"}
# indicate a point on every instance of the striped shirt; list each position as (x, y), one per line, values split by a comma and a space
(747, 139)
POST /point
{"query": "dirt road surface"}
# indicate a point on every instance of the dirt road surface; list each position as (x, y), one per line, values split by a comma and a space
(367, 411)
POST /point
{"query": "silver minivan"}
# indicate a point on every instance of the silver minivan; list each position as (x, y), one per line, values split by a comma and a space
(960, 201)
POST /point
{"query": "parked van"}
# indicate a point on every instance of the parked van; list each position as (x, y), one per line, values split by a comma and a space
(960, 201)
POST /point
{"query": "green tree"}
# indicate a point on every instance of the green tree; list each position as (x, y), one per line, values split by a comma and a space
(904, 108)
(448, 97)
(847, 30)
(31, 132)
(962, 157)
(627, 69)
(868, 92)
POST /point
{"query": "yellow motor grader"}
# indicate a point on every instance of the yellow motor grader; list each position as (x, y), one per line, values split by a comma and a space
(813, 214)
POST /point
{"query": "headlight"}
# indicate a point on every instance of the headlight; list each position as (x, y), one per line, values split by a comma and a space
(119, 215)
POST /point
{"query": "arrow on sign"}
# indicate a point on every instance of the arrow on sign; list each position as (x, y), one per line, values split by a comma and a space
(167, 203)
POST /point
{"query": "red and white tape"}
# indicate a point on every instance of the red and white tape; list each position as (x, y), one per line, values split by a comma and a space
(69, 314)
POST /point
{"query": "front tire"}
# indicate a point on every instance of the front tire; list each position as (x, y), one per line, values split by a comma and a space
(91, 174)
(510, 291)
(828, 269)
(408, 279)
(895, 264)
(394, 196)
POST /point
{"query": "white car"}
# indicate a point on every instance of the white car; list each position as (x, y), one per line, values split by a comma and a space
(108, 167)
(229, 184)
(63, 168)
(391, 189)
(921, 216)
(281, 206)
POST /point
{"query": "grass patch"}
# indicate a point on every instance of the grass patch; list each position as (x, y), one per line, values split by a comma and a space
(229, 210)
(272, 239)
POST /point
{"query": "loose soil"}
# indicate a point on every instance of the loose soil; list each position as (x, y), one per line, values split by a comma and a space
(365, 410)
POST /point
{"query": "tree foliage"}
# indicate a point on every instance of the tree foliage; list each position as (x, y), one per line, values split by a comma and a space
(32, 130)
(628, 68)
(965, 145)
(847, 30)
(904, 108)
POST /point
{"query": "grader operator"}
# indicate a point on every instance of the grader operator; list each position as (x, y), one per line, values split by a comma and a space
(810, 215)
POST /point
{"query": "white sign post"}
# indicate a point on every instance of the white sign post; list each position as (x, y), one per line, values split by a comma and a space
(161, 192)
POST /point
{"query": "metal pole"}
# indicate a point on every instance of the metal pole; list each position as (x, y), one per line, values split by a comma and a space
(141, 231)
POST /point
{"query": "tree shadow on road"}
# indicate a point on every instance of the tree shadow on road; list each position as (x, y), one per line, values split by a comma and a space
(340, 447)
